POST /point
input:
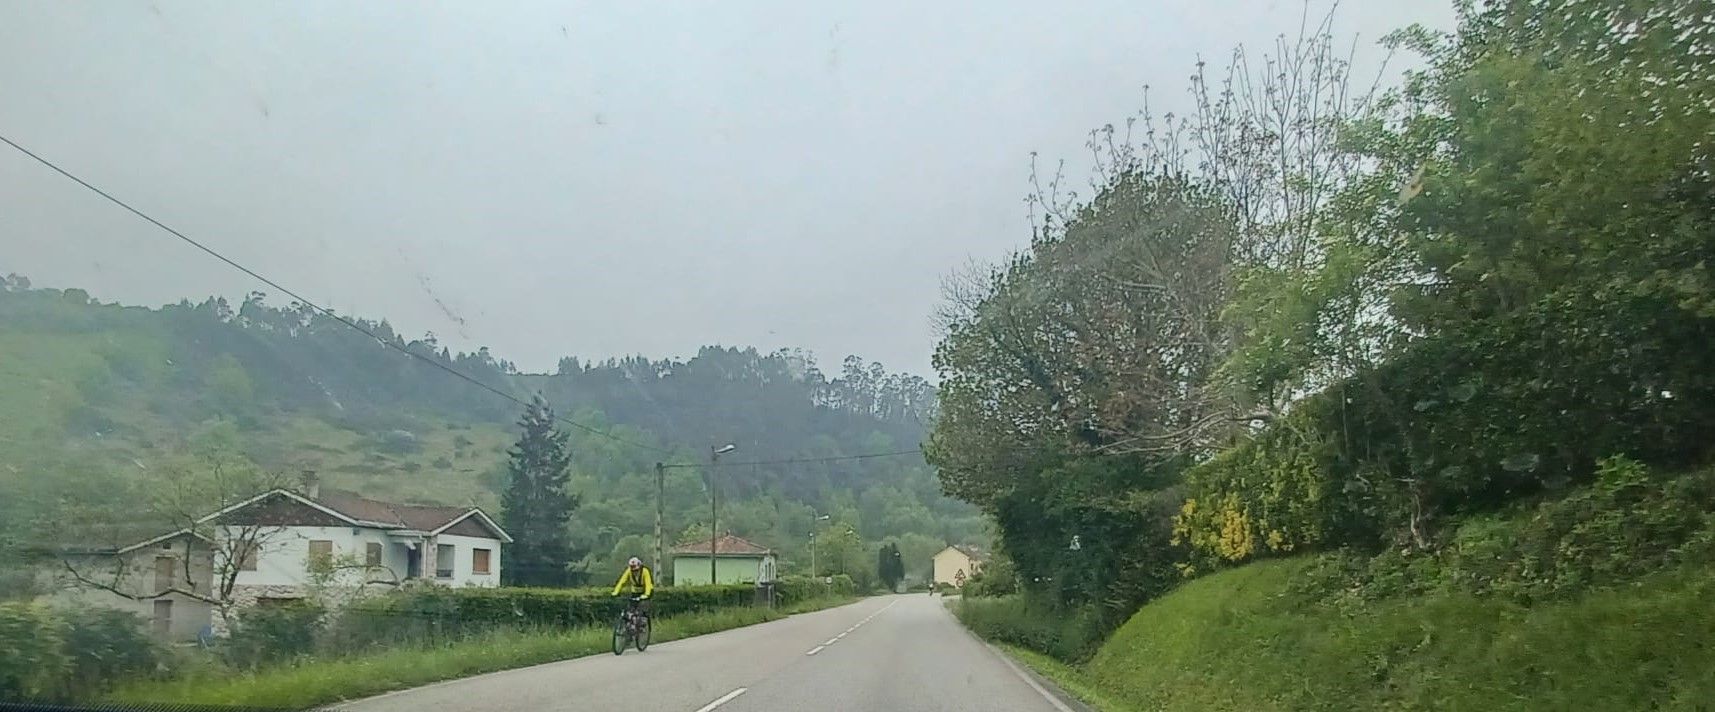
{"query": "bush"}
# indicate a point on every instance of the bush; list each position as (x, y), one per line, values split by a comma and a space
(1516, 406)
(104, 646)
(272, 633)
(996, 579)
(1071, 635)
(33, 663)
(1627, 525)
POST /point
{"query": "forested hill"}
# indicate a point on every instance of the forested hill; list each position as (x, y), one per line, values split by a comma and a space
(102, 397)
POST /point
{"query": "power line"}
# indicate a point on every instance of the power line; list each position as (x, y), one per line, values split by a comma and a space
(813, 460)
(317, 307)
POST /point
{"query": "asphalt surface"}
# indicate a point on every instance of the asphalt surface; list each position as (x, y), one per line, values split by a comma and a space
(894, 653)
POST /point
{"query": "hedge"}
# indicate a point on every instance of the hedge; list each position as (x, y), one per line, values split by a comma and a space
(57, 654)
(434, 613)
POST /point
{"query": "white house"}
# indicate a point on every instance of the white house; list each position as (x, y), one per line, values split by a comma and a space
(281, 544)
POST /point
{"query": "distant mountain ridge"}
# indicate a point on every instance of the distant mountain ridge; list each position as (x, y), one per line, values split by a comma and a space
(104, 388)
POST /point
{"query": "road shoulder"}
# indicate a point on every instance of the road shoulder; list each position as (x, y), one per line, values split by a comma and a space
(1071, 684)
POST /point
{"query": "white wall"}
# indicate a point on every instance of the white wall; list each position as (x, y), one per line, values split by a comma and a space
(462, 559)
(285, 554)
(948, 563)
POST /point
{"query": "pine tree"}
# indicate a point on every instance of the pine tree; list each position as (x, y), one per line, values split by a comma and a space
(535, 508)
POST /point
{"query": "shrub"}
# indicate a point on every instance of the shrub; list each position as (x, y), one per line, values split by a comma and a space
(105, 645)
(1513, 407)
(1069, 634)
(33, 662)
(271, 633)
(998, 578)
(1626, 525)
(66, 653)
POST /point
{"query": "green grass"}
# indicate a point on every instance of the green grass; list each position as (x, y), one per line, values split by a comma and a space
(1071, 678)
(1239, 640)
(320, 681)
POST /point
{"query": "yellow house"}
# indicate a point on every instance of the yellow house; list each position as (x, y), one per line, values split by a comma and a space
(957, 564)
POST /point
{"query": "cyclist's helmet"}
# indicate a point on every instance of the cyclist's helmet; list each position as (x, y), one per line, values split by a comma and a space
(635, 563)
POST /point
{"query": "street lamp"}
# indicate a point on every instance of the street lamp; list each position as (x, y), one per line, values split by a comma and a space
(715, 454)
(813, 524)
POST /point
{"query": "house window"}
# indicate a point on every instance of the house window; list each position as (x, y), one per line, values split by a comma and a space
(321, 553)
(163, 573)
(247, 561)
(444, 561)
(372, 554)
(479, 561)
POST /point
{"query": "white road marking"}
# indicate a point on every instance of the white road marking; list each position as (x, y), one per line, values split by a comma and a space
(723, 699)
(816, 649)
(831, 640)
(1028, 680)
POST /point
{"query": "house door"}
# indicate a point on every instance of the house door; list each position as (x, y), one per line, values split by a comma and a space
(163, 573)
(163, 618)
(414, 562)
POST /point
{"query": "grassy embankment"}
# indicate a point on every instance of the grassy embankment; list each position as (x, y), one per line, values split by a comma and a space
(1244, 640)
(317, 681)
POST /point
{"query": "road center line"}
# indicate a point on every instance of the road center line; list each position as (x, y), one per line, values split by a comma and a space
(813, 651)
(723, 699)
(831, 640)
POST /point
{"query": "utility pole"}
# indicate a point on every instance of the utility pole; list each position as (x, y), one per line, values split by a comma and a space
(712, 520)
(660, 506)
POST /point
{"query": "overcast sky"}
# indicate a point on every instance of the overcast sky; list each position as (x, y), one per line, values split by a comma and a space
(589, 179)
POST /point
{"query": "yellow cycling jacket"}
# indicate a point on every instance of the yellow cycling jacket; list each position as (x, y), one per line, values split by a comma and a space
(641, 580)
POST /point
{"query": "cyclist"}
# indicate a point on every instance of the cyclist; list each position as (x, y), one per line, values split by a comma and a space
(637, 579)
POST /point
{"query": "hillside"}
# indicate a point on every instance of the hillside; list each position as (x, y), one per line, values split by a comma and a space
(102, 399)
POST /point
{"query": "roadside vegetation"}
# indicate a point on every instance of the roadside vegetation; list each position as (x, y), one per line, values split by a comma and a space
(314, 680)
(290, 656)
(1337, 399)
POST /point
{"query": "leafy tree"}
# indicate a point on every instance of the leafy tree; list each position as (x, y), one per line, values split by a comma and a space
(536, 507)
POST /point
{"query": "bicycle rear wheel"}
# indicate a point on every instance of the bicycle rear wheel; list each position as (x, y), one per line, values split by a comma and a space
(643, 635)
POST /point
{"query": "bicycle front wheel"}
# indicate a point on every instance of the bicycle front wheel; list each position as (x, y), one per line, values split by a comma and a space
(620, 639)
(643, 635)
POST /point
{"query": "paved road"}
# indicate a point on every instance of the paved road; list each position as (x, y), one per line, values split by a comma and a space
(903, 653)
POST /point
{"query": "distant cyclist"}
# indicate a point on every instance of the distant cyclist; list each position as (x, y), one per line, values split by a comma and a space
(635, 579)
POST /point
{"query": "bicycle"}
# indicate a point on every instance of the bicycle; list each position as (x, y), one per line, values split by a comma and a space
(632, 628)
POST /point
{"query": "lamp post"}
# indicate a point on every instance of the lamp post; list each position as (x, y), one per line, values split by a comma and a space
(813, 524)
(715, 454)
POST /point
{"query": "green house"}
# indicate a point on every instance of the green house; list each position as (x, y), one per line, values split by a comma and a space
(736, 561)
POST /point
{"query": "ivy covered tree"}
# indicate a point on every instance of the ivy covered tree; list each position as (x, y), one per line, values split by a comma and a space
(890, 566)
(536, 505)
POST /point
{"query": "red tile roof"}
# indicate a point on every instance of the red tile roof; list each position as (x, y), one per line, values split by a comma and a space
(728, 545)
